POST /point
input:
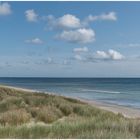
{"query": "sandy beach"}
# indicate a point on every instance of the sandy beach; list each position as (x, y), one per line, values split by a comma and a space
(125, 111)
(18, 88)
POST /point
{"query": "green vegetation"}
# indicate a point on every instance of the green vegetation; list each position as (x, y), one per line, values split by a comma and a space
(37, 115)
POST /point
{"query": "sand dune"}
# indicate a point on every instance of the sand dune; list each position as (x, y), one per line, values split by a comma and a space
(126, 111)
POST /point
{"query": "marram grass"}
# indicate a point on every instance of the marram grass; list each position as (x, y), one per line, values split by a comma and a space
(37, 115)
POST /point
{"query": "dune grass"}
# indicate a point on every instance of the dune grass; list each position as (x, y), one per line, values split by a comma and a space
(37, 115)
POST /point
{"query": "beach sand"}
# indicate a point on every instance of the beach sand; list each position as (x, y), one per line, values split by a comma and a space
(18, 88)
(125, 111)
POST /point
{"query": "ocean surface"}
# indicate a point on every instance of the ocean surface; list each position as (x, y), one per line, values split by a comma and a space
(120, 91)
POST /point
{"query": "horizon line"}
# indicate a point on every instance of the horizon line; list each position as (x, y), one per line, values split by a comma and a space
(61, 77)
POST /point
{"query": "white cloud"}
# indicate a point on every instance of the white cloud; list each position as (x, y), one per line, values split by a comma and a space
(31, 16)
(69, 21)
(115, 55)
(66, 21)
(111, 16)
(35, 41)
(109, 55)
(99, 56)
(80, 50)
(75, 30)
(102, 54)
(81, 35)
(5, 9)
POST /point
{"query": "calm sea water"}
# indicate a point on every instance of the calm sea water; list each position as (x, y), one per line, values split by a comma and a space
(121, 91)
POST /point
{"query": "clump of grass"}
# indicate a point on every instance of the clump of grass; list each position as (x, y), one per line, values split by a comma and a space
(14, 100)
(34, 100)
(73, 100)
(66, 108)
(14, 117)
(85, 110)
(11, 103)
(47, 114)
(134, 126)
(4, 106)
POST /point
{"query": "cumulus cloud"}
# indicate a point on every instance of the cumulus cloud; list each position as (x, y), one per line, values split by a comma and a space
(31, 16)
(66, 21)
(98, 56)
(75, 30)
(111, 16)
(71, 21)
(109, 55)
(80, 50)
(5, 9)
(115, 55)
(102, 54)
(81, 35)
(35, 41)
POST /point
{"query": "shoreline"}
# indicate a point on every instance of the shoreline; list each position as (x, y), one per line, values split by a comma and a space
(125, 111)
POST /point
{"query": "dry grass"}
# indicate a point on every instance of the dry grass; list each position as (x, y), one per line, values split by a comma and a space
(47, 114)
(14, 117)
(61, 118)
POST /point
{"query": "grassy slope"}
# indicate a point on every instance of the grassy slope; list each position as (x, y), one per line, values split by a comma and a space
(35, 115)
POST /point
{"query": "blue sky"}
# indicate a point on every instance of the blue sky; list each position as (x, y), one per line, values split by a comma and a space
(70, 39)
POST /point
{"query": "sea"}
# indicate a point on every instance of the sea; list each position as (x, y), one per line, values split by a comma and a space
(118, 91)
